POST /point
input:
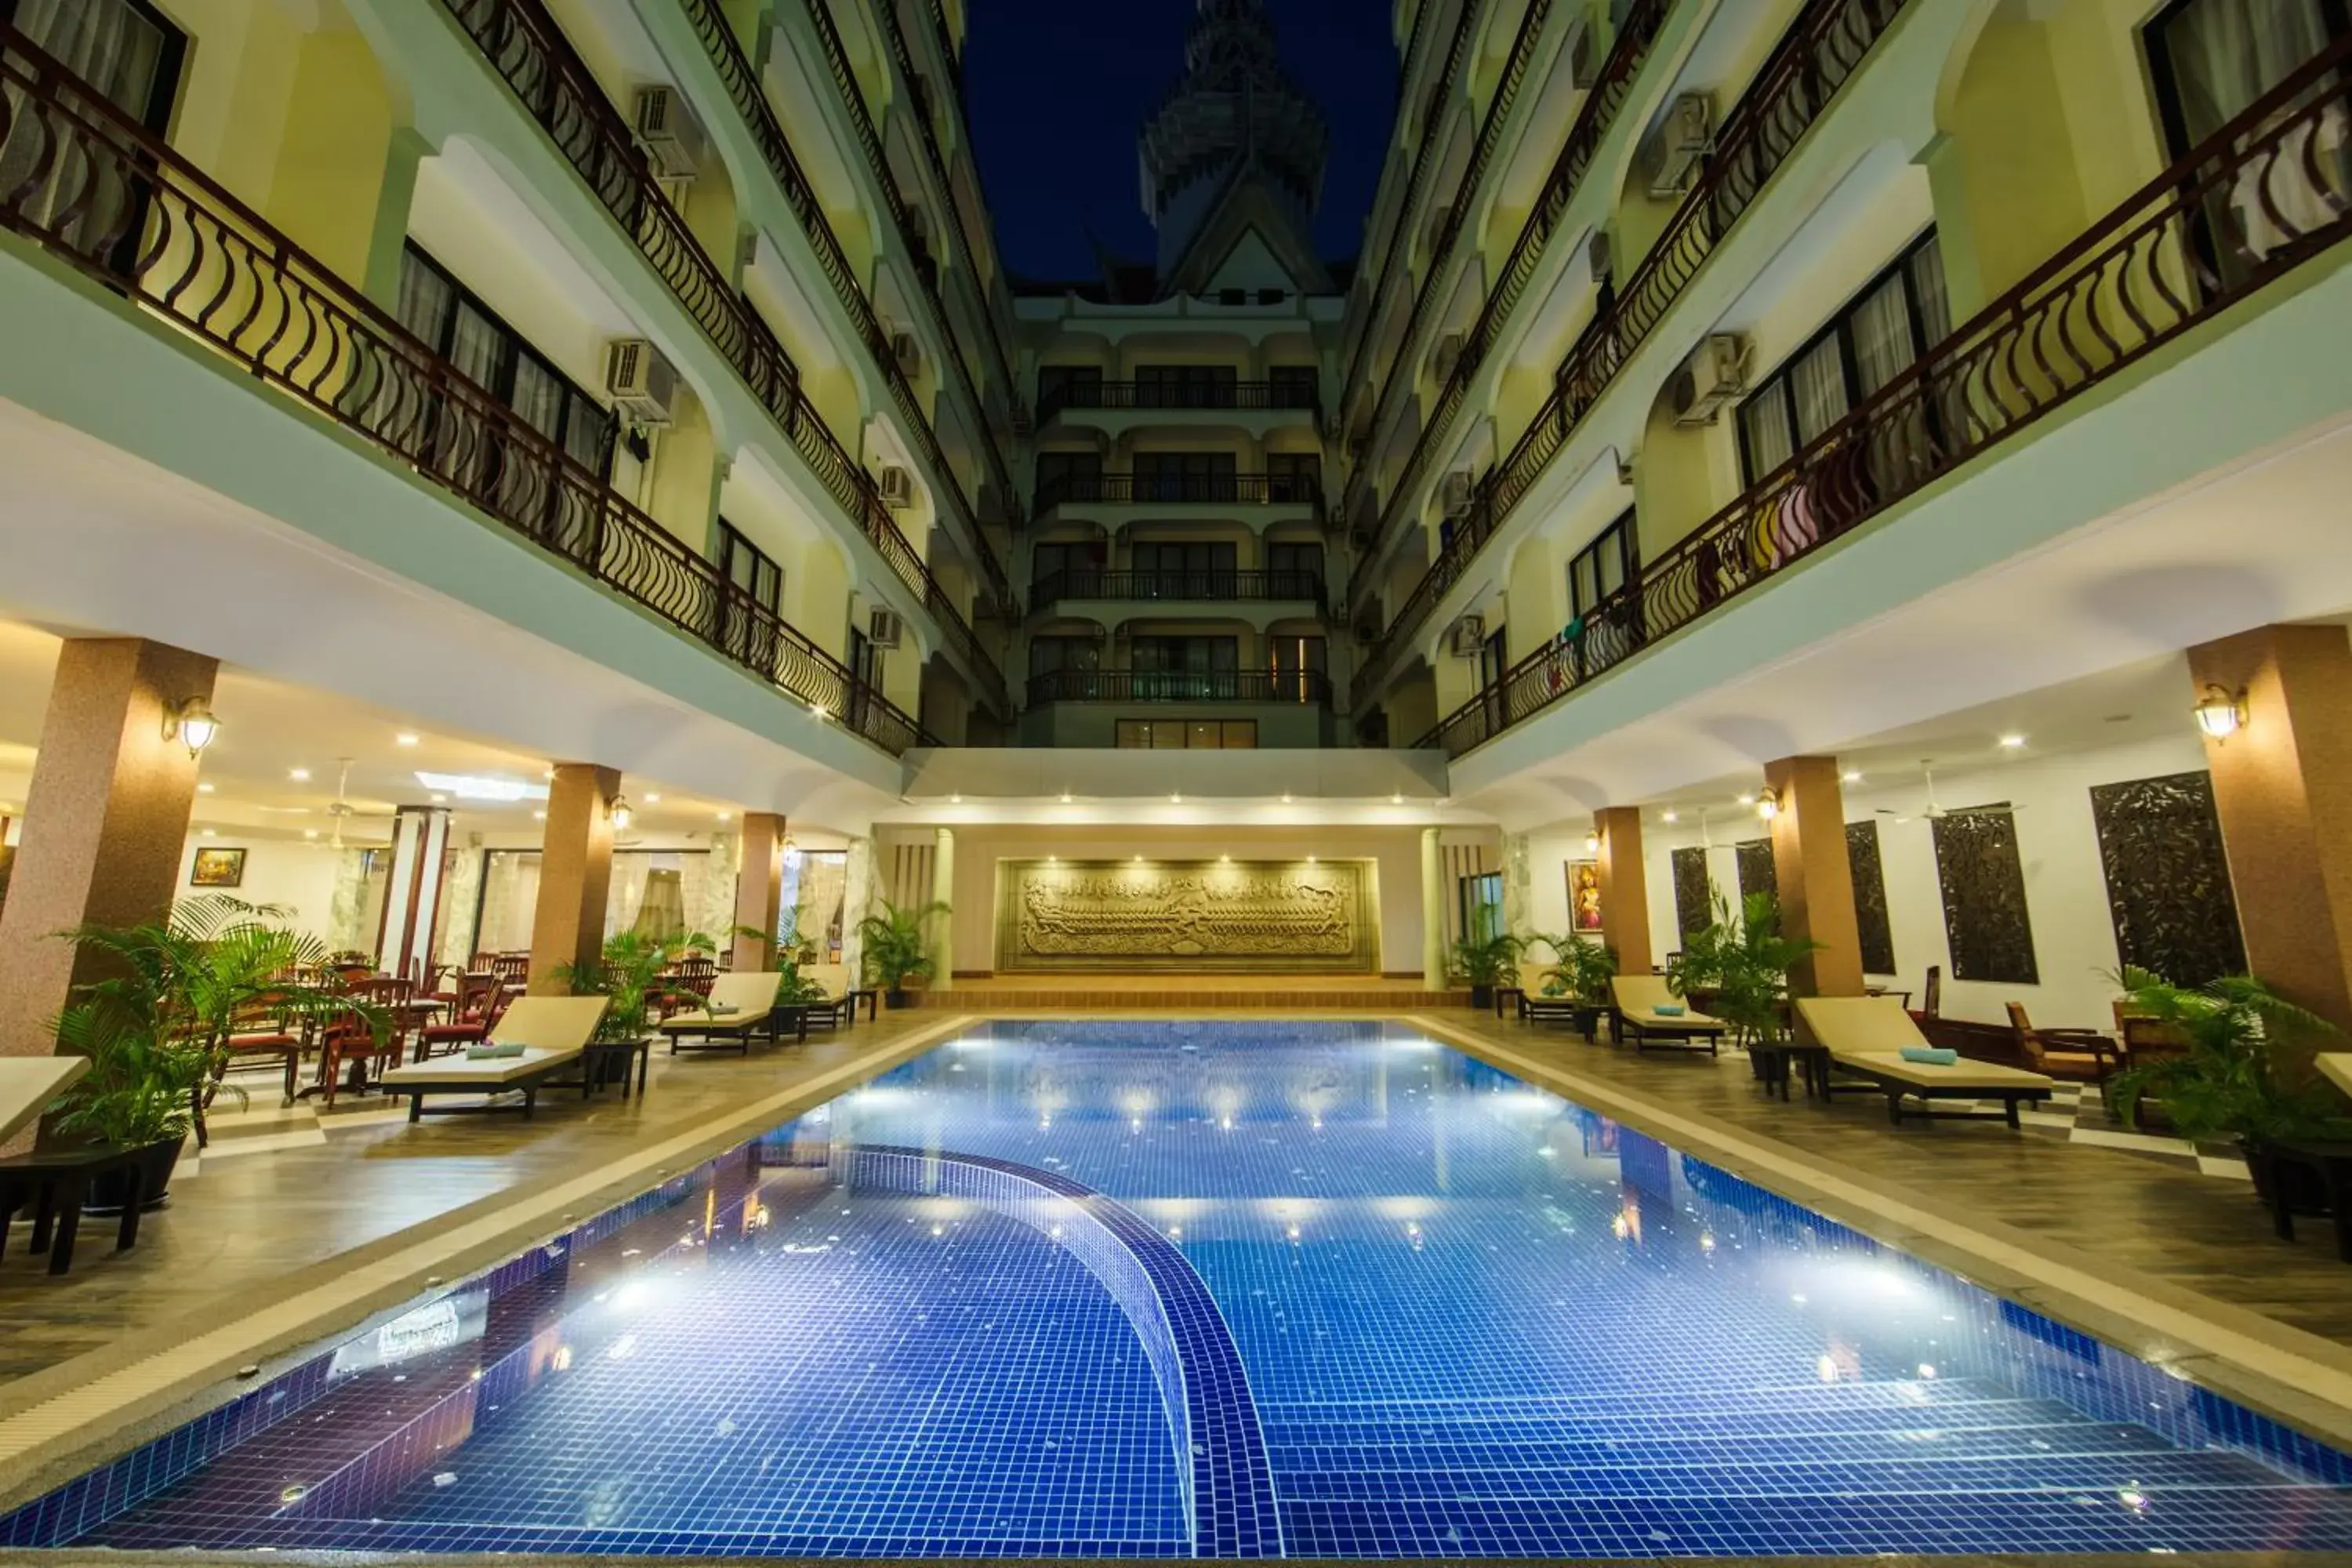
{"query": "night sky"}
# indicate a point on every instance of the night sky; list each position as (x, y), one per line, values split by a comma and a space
(1058, 88)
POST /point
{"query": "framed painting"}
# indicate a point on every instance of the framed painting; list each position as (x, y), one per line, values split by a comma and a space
(1584, 895)
(218, 869)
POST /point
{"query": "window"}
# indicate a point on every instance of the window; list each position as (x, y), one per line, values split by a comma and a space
(1875, 337)
(1077, 562)
(1298, 665)
(458, 327)
(1187, 653)
(865, 677)
(1053, 655)
(1184, 385)
(1184, 476)
(1068, 476)
(1188, 569)
(747, 628)
(1294, 570)
(1293, 386)
(1294, 475)
(1603, 567)
(2211, 60)
(1188, 734)
(1478, 903)
(130, 56)
(1068, 386)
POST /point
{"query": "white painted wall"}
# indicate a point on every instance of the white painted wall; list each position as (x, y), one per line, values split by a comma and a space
(2065, 887)
(297, 874)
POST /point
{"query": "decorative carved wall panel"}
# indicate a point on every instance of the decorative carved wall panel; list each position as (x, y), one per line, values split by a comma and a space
(1984, 896)
(1757, 873)
(1693, 892)
(2169, 887)
(1870, 897)
(1241, 915)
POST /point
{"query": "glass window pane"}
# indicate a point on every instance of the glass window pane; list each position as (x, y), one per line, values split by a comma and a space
(1818, 382)
(1768, 436)
(1881, 327)
(1928, 296)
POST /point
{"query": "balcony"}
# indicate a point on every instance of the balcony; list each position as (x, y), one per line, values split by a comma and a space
(1084, 707)
(1293, 494)
(1213, 587)
(1119, 406)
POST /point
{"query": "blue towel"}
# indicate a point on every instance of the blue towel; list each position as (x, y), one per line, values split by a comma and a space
(1669, 1009)
(1934, 1055)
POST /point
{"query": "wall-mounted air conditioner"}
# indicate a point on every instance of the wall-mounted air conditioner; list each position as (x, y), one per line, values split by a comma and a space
(671, 136)
(1455, 492)
(1584, 60)
(898, 489)
(1599, 255)
(908, 350)
(1448, 358)
(1712, 377)
(1679, 144)
(884, 629)
(641, 383)
(1468, 638)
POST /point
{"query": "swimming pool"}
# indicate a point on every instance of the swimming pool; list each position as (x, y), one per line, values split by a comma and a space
(1312, 1289)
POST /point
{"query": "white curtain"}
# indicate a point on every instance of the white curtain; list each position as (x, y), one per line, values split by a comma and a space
(1818, 380)
(627, 892)
(2227, 53)
(510, 900)
(1765, 422)
(116, 52)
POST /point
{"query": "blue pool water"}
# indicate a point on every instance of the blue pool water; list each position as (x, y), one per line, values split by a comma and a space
(1174, 1290)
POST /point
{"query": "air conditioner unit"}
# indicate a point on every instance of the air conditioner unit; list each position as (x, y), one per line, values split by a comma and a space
(1456, 494)
(671, 136)
(1448, 357)
(1441, 227)
(1584, 60)
(1599, 255)
(908, 350)
(1675, 149)
(763, 44)
(884, 629)
(898, 489)
(1711, 377)
(641, 385)
(1468, 638)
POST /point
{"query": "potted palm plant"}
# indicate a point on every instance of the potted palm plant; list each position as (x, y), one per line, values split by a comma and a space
(894, 949)
(1485, 958)
(158, 1027)
(1581, 971)
(787, 951)
(1739, 966)
(629, 971)
(2227, 1084)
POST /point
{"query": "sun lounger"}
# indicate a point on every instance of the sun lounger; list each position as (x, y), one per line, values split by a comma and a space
(28, 1084)
(554, 1031)
(1865, 1037)
(841, 998)
(738, 1006)
(1637, 1017)
(2335, 1067)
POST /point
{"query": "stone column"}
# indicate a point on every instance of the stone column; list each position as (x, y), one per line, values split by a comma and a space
(1815, 876)
(106, 819)
(857, 901)
(2282, 790)
(576, 874)
(759, 890)
(943, 926)
(1625, 889)
(1433, 911)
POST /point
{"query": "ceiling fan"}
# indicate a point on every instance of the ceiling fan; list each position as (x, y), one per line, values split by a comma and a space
(342, 810)
(1935, 811)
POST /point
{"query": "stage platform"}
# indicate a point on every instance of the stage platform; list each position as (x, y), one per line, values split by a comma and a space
(1181, 993)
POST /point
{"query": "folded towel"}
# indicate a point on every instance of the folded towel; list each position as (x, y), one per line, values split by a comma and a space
(494, 1051)
(1669, 1009)
(720, 1009)
(1933, 1055)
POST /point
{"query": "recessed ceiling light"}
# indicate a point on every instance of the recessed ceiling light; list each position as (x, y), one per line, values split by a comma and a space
(2012, 742)
(726, 817)
(1066, 797)
(403, 739)
(204, 789)
(310, 832)
(1747, 800)
(1851, 775)
(1672, 816)
(1224, 860)
(1175, 797)
(209, 833)
(440, 799)
(1310, 860)
(550, 774)
(299, 776)
(539, 817)
(1139, 859)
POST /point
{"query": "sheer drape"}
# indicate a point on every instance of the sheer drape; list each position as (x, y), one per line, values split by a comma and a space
(118, 52)
(510, 898)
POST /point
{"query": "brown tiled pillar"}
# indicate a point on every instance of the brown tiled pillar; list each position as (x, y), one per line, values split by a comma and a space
(576, 874)
(2282, 789)
(106, 818)
(1625, 889)
(1815, 877)
(759, 890)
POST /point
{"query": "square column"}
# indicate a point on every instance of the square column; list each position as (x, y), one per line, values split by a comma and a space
(943, 926)
(1816, 877)
(2282, 790)
(106, 818)
(1432, 912)
(576, 874)
(1625, 889)
(759, 890)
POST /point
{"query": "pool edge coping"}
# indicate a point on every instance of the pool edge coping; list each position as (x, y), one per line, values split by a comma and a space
(2304, 1383)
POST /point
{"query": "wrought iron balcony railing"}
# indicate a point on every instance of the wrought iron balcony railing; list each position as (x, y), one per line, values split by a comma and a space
(1636, 31)
(522, 43)
(1303, 687)
(1821, 50)
(750, 101)
(1247, 396)
(1207, 490)
(100, 194)
(2262, 195)
(1211, 586)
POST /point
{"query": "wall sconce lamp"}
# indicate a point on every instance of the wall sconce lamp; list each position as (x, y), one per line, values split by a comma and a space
(619, 812)
(2222, 712)
(1768, 805)
(1592, 842)
(192, 722)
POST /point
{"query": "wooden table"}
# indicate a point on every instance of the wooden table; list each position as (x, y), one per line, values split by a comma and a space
(1772, 1064)
(2331, 1164)
(59, 1184)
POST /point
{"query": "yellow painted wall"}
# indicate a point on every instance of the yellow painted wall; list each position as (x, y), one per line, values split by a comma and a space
(242, 59)
(684, 495)
(342, 185)
(2007, 190)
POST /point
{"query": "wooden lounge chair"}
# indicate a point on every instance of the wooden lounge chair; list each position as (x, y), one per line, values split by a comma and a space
(841, 997)
(554, 1032)
(1636, 1016)
(28, 1084)
(740, 1006)
(2335, 1067)
(1865, 1036)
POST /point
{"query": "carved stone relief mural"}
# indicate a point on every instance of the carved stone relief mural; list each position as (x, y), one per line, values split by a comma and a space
(1984, 896)
(1693, 892)
(1185, 914)
(1870, 897)
(2169, 889)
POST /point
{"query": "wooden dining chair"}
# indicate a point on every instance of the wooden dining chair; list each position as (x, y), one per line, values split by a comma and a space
(480, 1000)
(2065, 1053)
(349, 1040)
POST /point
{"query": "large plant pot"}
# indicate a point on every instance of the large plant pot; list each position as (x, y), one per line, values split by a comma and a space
(897, 997)
(2306, 1194)
(154, 1164)
(1483, 998)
